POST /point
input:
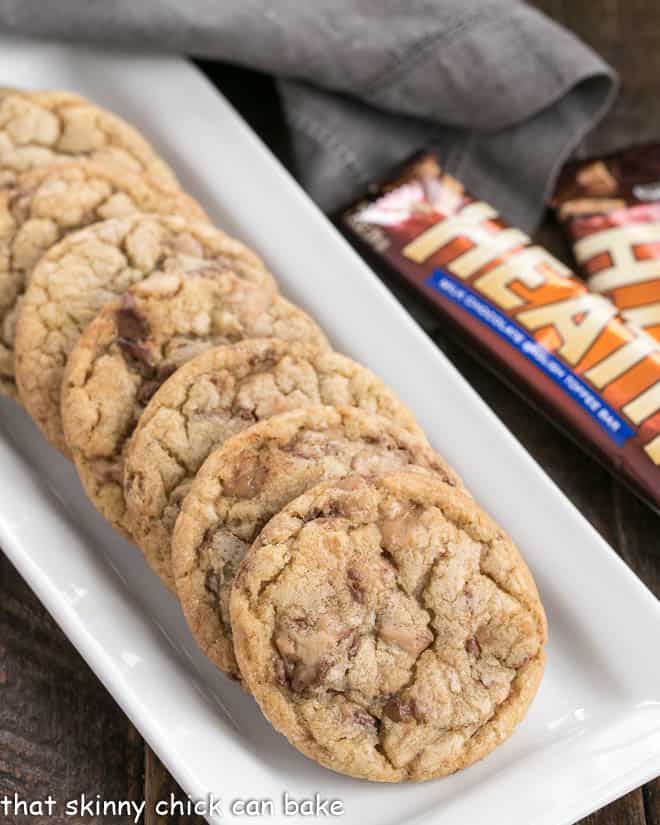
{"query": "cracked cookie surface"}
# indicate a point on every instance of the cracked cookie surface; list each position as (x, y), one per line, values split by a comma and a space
(137, 341)
(252, 477)
(40, 128)
(91, 267)
(389, 628)
(216, 395)
(40, 207)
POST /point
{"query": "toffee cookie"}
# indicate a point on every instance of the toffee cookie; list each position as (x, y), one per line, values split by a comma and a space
(254, 475)
(388, 627)
(40, 128)
(215, 396)
(91, 267)
(42, 206)
(140, 339)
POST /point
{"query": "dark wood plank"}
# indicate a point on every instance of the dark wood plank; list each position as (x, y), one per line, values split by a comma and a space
(629, 810)
(638, 537)
(60, 731)
(625, 33)
(135, 765)
(652, 802)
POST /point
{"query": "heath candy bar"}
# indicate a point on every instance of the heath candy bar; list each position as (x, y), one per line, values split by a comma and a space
(566, 347)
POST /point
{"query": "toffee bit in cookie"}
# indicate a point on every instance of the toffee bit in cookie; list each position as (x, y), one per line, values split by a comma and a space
(354, 645)
(306, 676)
(327, 511)
(354, 585)
(472, 646)
(264, 363)
(243, 413)
(399, 532)
(364, 719)
(247, 478)
(410, 639)
(396, 709)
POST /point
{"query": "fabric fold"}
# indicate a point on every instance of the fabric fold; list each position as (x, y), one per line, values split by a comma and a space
(340, 146)
(506, 93)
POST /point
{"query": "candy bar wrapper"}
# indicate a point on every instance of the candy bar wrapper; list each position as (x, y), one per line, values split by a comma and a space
(567, 349)
(611, 211)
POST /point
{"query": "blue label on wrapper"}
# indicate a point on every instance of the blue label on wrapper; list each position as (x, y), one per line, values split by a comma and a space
(464, 297)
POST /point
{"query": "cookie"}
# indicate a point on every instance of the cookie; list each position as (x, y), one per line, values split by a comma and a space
(40, 128)
(40, 207)
(388, 628)
(137, 341)
(253, 476)
(89, 268)
(215, 396)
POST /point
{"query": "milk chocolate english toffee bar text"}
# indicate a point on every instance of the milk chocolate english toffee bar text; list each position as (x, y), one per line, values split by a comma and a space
(566, 348)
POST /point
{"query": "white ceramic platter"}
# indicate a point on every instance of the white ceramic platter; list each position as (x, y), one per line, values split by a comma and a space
(593, 732)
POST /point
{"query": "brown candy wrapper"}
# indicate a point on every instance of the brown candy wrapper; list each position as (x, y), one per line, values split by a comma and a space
(611, 211)
(567, 349)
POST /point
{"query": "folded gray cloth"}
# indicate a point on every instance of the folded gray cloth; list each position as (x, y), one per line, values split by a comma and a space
(505, 93)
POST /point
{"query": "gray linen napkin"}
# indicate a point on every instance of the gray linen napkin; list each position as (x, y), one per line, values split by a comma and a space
(505, 93)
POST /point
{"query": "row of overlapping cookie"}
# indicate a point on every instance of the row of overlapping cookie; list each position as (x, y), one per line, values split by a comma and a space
(322, 552)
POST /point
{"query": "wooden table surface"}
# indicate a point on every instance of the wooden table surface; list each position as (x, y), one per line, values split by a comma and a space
(61, 732)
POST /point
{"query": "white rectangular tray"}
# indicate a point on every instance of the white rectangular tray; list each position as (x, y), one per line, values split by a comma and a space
(593, 732)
